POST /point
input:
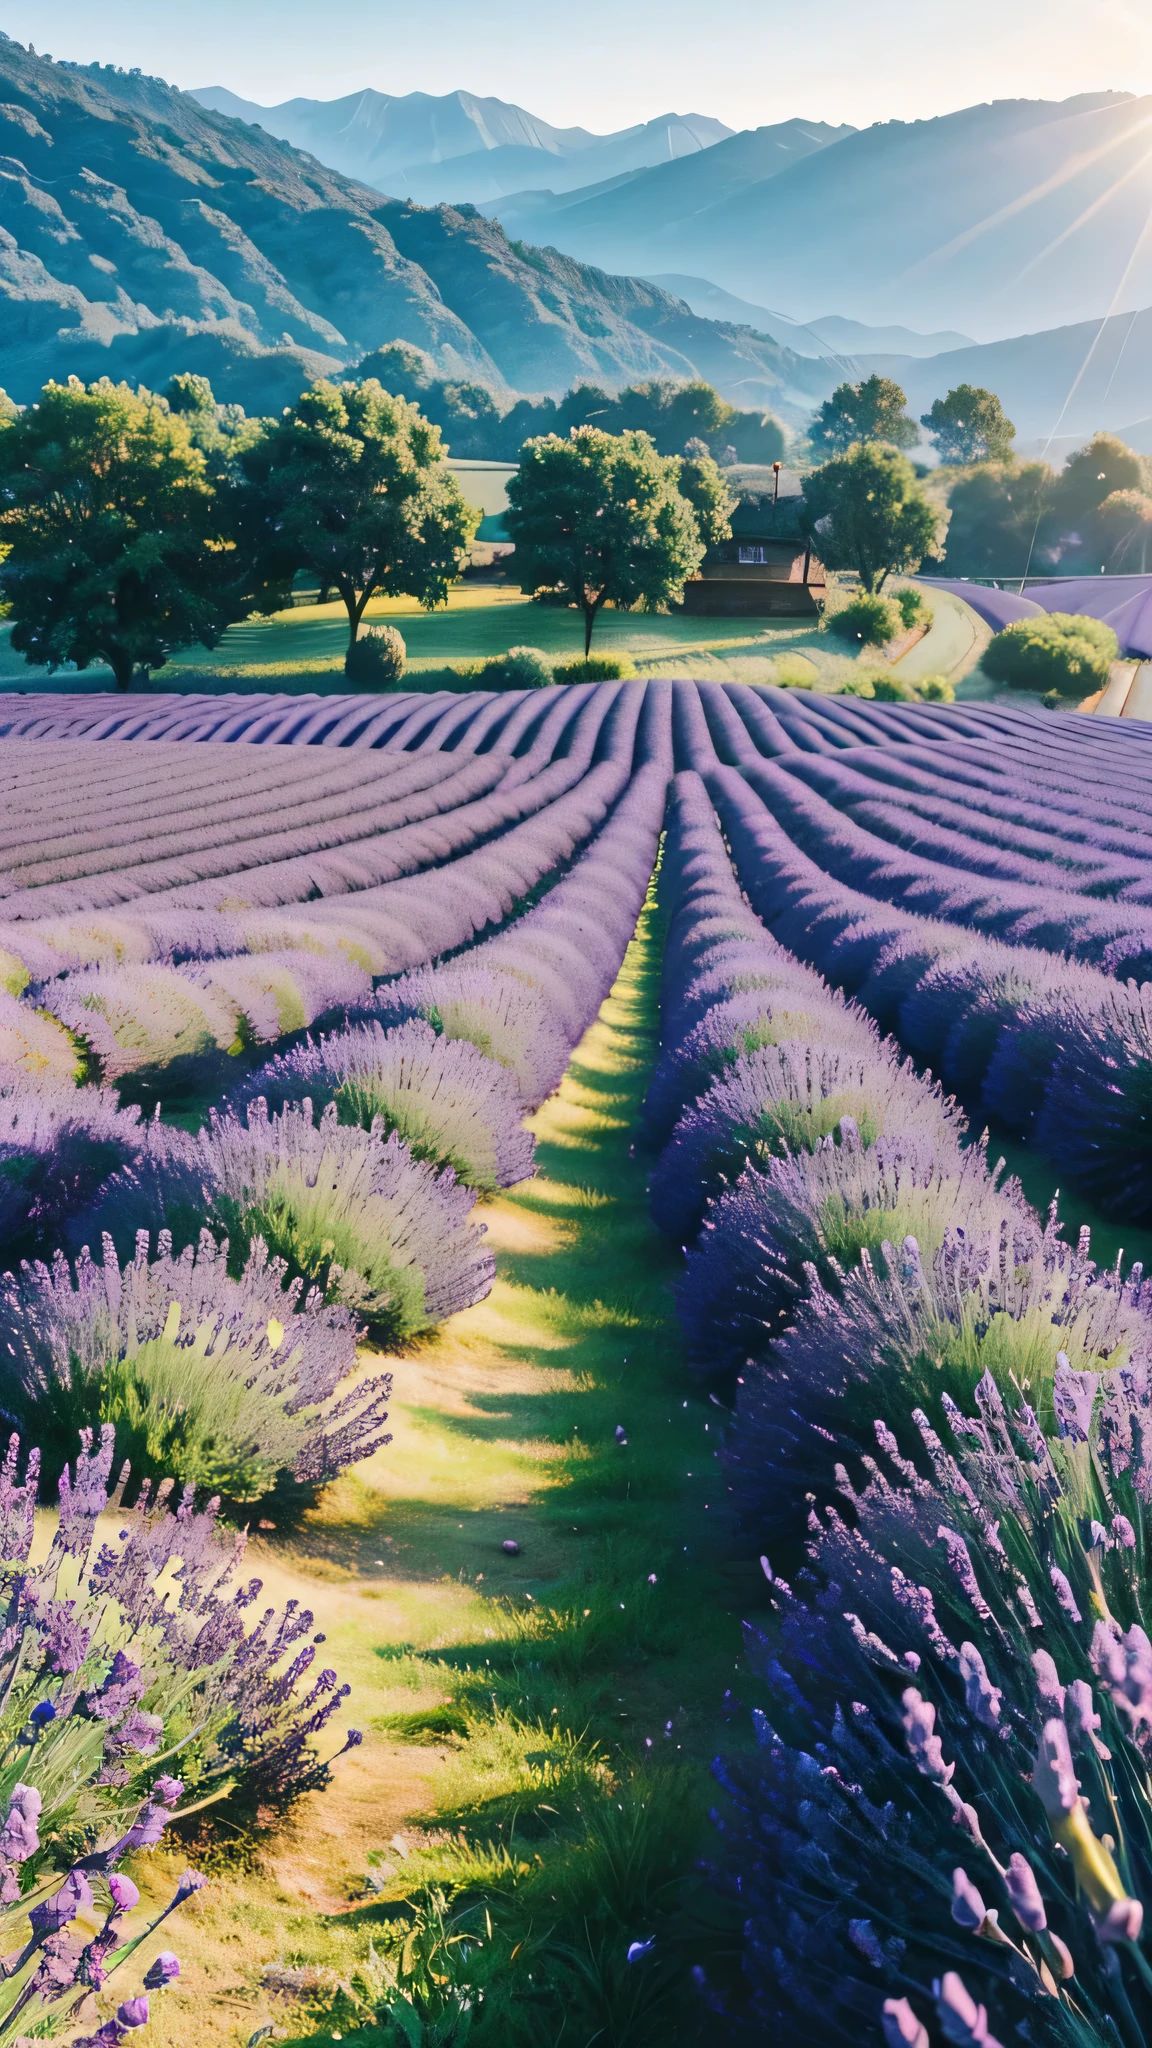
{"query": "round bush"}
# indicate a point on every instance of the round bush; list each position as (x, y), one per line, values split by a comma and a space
(868, 618)
(822, 1210)
(913, 607)
(449, 1102)
(522, 668)
(888, 688)
(211, 1380)
(497, 1010)
(935, 690)
(739, 1026)
(376, 658)
(786, 1099)
(1060, 651)
(597, 668)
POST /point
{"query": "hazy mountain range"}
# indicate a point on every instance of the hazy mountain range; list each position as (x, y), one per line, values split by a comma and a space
(454, 147)
(1015, 216)
(142, 234)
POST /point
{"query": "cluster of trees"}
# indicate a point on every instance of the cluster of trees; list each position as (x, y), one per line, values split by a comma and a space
(968, 425)
(132, 524)
(1009, 519)
(477, 427)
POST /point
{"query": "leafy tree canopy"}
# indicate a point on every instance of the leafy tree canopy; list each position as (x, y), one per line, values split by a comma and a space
(1093, 473)
(871, 411)
(115, 547)
(969, 425)
(865, 510)
(351, 484)
(599, 518)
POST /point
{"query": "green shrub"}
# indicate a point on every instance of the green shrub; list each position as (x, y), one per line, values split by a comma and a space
(792, 672)
(1057, 652)
(1051, 700)
(376, 659)
(522, 668)
(597, 668)
(913, 607)
(874, 620)
(891, 689)
(935, 690)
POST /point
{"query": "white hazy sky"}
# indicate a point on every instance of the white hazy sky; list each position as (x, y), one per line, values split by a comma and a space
(606, 63)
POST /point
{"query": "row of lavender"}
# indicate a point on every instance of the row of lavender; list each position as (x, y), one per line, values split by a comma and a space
(942, 1418)
(1058, 1048)
(344, 1176)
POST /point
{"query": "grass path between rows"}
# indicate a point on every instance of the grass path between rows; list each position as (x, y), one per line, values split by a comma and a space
(540, 1724)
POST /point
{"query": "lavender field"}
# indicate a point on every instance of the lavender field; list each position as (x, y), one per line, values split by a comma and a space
(289, 986)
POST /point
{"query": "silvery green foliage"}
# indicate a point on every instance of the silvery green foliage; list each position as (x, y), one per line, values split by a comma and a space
(451, 1104)
(223, 1383)
(788, 1097)
(904, 1330)
(502, 1014)
(766, 1241)
(944, 1831)
(58, 1144)
(347, 1211)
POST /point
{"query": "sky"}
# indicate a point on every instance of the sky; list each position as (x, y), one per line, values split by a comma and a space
(609, 63)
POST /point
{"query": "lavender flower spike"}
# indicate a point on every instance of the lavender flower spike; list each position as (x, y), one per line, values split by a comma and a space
(133, 2012)
(190, 1881)
(1024, 1893)
(901, 2027)
(18, 1837)
(74, 1896)
(124, 1893)
(1116, 1916)
(164, 1971)
(924, 1745)
(981, 1697)
(962, 2020)
(968, 1908)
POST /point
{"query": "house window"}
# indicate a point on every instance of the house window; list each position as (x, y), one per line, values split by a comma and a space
(752, 554)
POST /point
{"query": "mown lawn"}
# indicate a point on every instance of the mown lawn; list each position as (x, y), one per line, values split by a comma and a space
(303, 649)
(539, 1727)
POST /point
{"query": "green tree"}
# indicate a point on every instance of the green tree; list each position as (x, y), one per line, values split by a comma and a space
(969, 425)
(871, 411)
(115, 547)
(702, 483)
(865, 511)
(1092, 474)
(998, 520)
(1124, 528)
(351, 483)
(600, 518)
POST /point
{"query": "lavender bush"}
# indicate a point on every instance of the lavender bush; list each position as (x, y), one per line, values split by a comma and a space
(223, 1383)
(729, 1031)
(823, 1210)
(946, 1821)
(347, 1211)
(58, 1144)
(450, 1103)
(787, 1099)
(122, 1663)
(504, 1016)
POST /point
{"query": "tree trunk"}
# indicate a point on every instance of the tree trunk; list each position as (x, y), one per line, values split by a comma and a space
(121, 665)
(589, 622)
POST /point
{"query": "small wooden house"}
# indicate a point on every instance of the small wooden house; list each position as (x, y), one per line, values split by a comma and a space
(760, 573)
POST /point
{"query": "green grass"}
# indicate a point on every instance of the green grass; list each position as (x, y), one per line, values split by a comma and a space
(540, 1726)
(303, 649)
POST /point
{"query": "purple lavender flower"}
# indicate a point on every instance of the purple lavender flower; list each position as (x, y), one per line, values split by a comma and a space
(168, 1790)
(981, 1697)
(963, 2021)
(1064, 1593)
(73, 1897)
(18, 1837)
(190, 1881)
(901, 2027)
(163, 1971)
(124, 1893)
(1024, 1893)
(924, 1745)
(120, 1690)
(968, 1908)
(133, 2012)
(139, 1732)
(1074, 1397)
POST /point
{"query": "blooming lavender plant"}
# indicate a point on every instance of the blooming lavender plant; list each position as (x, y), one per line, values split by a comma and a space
(806, 1220)
(949, 1803)
(58, 1144)
(499, 1012)
(788, 1098)
(449, 1102)
(120, 1661)
(225, 1383)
